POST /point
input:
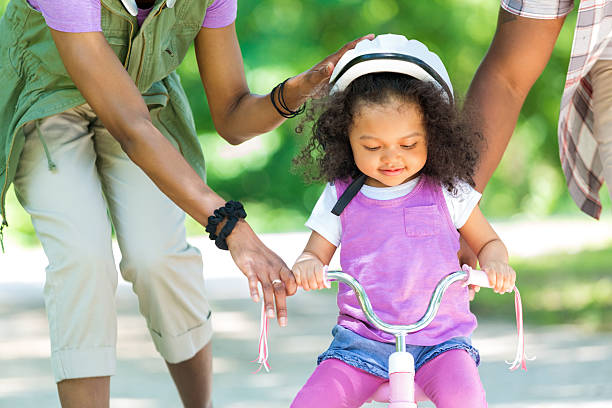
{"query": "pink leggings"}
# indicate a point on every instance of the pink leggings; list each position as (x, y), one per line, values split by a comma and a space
(450, 380)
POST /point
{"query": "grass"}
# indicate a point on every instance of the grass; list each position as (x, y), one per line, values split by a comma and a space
(555, 289)
(560, 288)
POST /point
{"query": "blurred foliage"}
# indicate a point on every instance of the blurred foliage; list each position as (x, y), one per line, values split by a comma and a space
(555, 289)
(529, 179)
(280, 38)
(558, 289)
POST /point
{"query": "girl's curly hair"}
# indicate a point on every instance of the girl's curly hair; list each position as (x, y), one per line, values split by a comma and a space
(453, 145)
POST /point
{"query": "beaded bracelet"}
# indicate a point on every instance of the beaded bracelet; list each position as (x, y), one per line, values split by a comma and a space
(284, 110)
(232, 211)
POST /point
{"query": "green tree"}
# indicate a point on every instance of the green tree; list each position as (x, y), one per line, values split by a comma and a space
(280, 38)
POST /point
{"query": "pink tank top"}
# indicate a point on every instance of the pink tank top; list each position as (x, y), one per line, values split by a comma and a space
(399, 250)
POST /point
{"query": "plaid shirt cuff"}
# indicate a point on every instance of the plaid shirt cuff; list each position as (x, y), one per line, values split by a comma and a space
(540, 9)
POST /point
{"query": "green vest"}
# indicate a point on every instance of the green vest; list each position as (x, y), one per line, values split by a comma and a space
(35, 83)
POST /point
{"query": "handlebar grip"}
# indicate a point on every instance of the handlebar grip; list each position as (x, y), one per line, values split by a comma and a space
(478, 278)
(326, 281)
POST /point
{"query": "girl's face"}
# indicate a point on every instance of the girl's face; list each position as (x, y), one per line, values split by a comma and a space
(388, 142)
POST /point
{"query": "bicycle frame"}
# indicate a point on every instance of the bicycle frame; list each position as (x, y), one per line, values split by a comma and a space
(399, 392)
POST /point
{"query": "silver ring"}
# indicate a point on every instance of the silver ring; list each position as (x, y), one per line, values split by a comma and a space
(275, 281)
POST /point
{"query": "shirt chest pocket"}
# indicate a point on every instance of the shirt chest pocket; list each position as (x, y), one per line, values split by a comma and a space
(422, 221)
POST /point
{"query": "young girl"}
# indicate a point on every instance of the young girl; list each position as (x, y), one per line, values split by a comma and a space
(399, 162)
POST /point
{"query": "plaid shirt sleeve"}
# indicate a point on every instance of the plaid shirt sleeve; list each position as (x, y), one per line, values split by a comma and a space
(540, 9)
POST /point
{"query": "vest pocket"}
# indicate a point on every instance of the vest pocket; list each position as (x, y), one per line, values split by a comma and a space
(157, 96)
(422, 221)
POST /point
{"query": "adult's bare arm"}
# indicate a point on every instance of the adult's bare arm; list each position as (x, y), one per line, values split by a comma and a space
(107, 87)
(517, 56)
(237, 113)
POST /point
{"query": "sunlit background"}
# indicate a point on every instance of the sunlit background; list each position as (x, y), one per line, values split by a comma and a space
(280, 38)
(570, 282)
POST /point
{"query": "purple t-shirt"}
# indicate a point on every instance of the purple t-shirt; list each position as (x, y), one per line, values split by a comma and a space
(78, 16)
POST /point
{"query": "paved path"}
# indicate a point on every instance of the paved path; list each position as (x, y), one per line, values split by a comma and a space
(573, 368)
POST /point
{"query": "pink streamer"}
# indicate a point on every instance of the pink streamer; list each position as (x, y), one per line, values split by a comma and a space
(520, 359)
(262, 359)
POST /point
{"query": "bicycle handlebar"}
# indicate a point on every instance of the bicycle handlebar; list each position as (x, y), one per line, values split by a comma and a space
(468, 275)
(475, 277)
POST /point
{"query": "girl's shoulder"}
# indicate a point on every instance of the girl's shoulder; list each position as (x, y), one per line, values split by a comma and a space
(341, 181)
(460, 190)
(461, 202)
(339, 185)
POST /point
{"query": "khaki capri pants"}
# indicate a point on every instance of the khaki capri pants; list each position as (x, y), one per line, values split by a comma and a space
(71, 175)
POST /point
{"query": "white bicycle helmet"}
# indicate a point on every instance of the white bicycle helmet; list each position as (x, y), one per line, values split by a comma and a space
(390, 53)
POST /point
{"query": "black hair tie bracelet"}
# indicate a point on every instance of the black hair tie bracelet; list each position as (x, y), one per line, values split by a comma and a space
(232, 211)
(277, 96)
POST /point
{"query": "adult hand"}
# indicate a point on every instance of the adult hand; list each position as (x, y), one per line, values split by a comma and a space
(468, 257)
(259, 264)
(312, 83)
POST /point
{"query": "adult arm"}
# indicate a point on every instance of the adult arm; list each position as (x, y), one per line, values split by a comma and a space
(517, 56)
(107, 87)
(520, 50)
(237, 113)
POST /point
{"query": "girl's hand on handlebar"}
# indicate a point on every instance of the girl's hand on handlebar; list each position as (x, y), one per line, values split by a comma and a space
(259, 264)
(308, 272)
(501, 276)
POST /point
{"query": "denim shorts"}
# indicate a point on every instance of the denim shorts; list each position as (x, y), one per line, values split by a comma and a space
(373, 356)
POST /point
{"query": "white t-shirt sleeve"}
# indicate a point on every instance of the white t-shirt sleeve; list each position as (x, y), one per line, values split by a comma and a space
(322, 220)
(461, 205)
